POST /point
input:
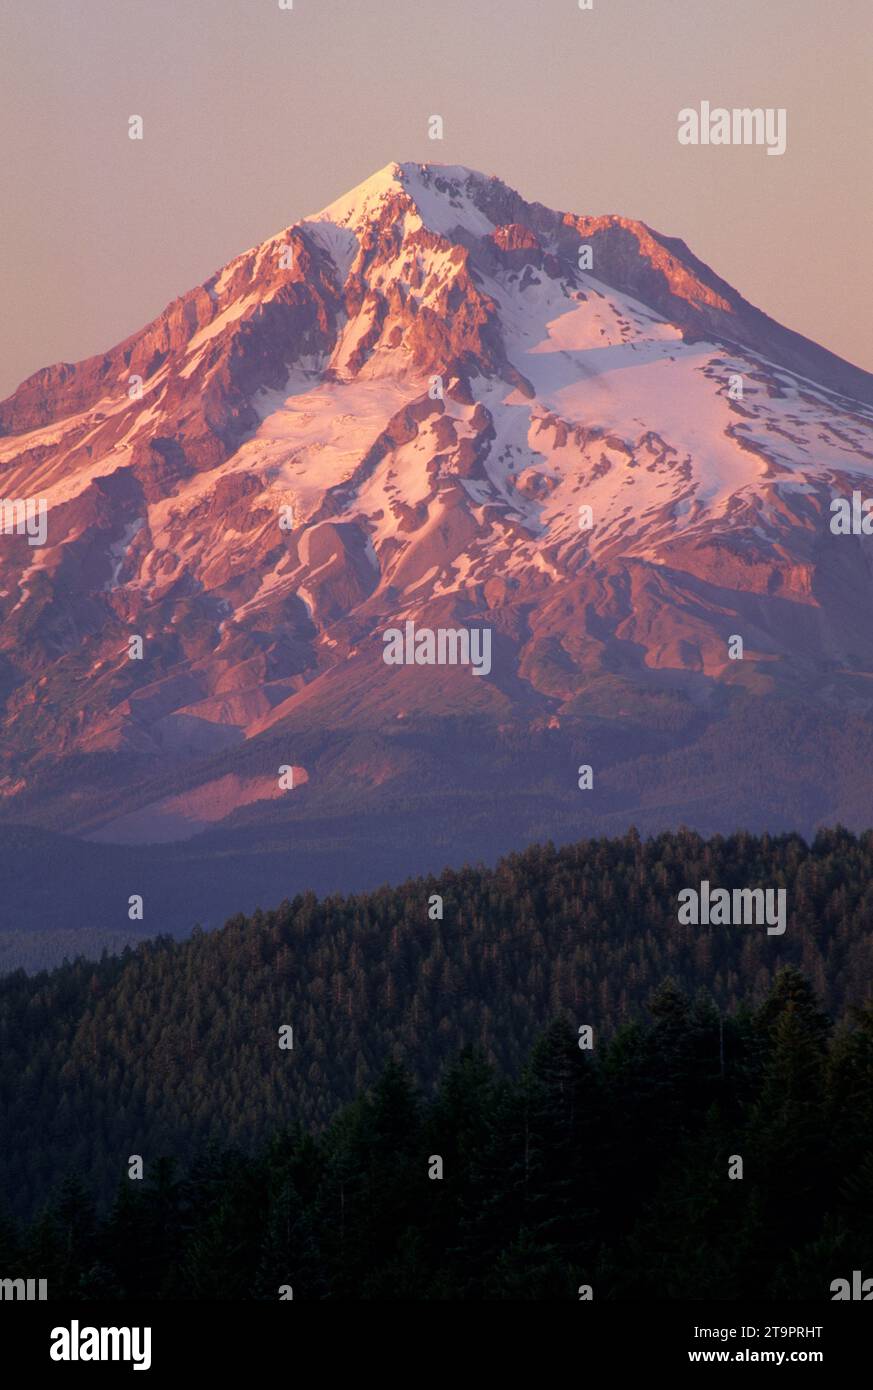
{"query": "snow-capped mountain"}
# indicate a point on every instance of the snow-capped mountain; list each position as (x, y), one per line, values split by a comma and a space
(436, 402)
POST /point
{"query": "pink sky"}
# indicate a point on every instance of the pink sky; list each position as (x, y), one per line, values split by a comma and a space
(255, 116)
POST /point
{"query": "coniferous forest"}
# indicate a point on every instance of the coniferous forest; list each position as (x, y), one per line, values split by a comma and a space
(435, 1124)
(606, 1171)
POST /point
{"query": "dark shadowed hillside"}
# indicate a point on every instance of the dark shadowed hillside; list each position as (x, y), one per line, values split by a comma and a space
(176, 1043)
(752, 1180)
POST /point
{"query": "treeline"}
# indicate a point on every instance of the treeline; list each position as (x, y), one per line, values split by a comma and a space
(174, 1045)
(692, 1155)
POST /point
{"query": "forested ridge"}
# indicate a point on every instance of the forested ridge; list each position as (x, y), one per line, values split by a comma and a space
(174, 1045)
(612, 1171)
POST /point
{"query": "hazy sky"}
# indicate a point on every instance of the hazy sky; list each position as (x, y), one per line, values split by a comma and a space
(255, 116)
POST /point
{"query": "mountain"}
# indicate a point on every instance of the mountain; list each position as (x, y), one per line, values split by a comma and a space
(398, 411)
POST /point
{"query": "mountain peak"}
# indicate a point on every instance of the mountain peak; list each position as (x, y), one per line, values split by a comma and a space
(444, 195)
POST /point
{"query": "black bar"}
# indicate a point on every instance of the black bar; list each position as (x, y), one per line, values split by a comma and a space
(257, 1340)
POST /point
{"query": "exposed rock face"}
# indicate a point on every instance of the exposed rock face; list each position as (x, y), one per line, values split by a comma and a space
(401, 408)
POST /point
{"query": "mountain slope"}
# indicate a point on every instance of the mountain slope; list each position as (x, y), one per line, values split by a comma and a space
(397, 410)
